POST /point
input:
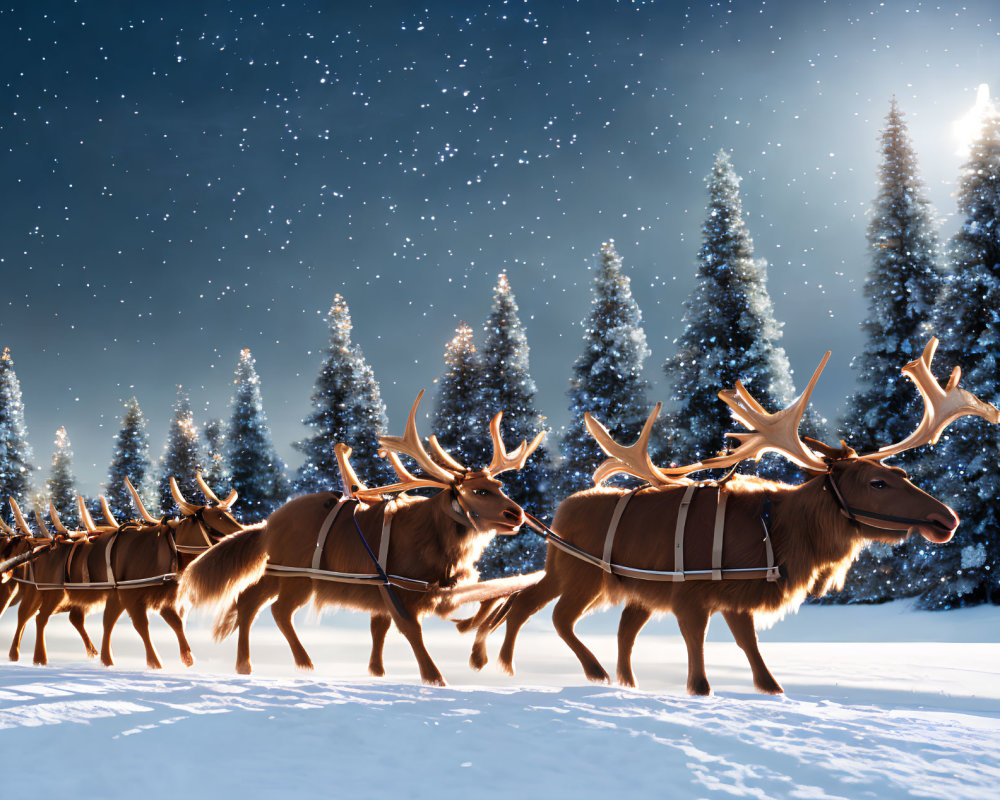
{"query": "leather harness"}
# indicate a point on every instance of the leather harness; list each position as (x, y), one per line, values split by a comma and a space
(770, 571)
(380, 577)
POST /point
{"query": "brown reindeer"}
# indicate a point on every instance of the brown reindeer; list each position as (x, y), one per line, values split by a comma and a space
(160, 548)
(322, 547)
(815, 531)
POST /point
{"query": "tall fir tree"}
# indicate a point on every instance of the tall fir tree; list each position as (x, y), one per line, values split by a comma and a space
(217, 474)
(607, 378)
(505, 385)
(964, 462)
(730, 332)
(15, 452)
(61, 485)
(129, 460)
(347, 407)
(459, 422)
(258, 473)
(902, 287)
(182, 457)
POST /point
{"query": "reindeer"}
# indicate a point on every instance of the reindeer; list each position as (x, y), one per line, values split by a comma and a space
(813, 531)
(160, 548)
(435, 543)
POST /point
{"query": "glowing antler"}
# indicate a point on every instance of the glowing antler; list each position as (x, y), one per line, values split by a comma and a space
(502, 461)
(941, 406)
(632, 460)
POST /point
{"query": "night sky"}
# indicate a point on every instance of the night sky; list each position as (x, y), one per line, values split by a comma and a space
(183, 180)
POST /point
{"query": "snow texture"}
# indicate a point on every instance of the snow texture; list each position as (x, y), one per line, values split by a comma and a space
(882, 702)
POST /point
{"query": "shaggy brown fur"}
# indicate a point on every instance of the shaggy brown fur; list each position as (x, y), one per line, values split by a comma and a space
(814, 543)
(431, 541)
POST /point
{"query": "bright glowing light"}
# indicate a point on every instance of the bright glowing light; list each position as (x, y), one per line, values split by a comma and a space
(966, 128)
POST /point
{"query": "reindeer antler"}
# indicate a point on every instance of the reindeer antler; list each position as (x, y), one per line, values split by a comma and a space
(438, 476)
(777, 433)
(941, 406)
(22, 525)
(138, 504)
(348, 477)
(212, 497)
(633, 460)
(107, 513)
(502, 461)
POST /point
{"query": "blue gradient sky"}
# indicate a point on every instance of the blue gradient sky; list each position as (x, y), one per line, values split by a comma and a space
(184, 180)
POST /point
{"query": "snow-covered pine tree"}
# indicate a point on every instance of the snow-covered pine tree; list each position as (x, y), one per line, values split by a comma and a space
(182, 457)
(15, 453)
(347, 407)
(730, 333)
(130, 460)
(607, 377)
(258, 474)
(61, 485)
(505, 385)
(902, 287)
(216, 473)
(964, 462)
(458, 421)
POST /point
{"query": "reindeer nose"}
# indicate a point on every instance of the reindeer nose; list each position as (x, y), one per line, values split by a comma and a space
(512, 516)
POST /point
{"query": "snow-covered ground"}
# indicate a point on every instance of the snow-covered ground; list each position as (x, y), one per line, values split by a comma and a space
(881, 702)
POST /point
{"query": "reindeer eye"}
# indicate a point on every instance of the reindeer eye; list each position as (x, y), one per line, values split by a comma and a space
(481, 492)
(878, 483)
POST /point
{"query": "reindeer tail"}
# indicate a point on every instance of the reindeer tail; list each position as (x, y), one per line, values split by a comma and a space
(219, 574)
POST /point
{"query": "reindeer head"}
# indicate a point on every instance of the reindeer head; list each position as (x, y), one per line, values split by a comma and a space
(477, 497)
(858, 482)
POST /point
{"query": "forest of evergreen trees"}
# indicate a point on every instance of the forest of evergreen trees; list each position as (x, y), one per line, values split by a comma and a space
(915, 286)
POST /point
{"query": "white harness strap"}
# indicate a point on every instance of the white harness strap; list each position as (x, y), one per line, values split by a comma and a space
(609, 539)
(682, 514)
(324, 531)
(383, 545)
(720, 524)
(107, 559)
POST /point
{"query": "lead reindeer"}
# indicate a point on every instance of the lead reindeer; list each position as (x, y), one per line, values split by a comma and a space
(784, 541)
(322, 547)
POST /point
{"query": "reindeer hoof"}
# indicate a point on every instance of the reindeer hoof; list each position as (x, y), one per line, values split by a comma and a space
(434, 681)
(699, 688)
(598, 677)
(376, 670)
(770, 688)
(626, 680)
(243, 669)
(187, 659)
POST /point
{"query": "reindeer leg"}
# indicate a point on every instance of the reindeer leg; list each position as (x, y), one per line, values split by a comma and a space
(564, 616)
(112, 611)
(76, 618)
(173, 619)
(140, 621)
(632, 621)
(524, 605)
(380, 627)
(248, 605)
(293, 595)
(8, 591)
(410, 628)
(28, 608)
(745, 634)
(693, 622)
(49, 603)
(487, 620)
